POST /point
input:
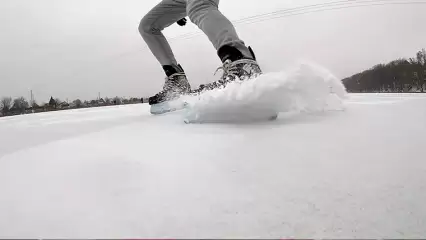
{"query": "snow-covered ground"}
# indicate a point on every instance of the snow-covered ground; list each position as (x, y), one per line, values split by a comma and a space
(119, 172)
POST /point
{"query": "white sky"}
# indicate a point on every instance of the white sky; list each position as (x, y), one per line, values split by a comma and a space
(77, 48)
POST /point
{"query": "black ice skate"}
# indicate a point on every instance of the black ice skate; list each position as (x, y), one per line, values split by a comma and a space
(235, 67)
(175, 86)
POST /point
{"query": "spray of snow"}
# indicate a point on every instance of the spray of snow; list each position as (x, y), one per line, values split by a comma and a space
(303, 88)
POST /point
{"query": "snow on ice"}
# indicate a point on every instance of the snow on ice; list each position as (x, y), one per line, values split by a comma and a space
(116, 172)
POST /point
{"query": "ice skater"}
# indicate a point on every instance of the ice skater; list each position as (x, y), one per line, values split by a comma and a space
(238, 60)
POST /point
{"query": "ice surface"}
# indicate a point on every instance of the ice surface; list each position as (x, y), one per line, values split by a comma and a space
(119, 172)
(304, 88)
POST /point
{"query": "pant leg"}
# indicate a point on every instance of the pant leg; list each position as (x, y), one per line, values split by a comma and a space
(206, 15)
(161, 16)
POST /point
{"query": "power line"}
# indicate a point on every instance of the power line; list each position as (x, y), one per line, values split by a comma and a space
(313, 8)
(193, 34)
(306, 7)
(336, 5)
(335, 8)
(242, 20)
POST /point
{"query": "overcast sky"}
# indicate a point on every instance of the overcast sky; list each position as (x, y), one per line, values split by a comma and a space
(77, 48)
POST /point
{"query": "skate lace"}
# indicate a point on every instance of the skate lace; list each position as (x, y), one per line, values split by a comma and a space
(230, 68)
(170, 82)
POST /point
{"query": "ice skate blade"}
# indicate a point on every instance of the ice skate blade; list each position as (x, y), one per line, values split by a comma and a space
(165, 107)
(258, 119)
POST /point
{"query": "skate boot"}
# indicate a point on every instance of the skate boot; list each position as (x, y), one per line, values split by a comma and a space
(175, 86)
(236, 66)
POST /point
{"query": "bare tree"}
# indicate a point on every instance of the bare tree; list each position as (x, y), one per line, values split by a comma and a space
(397, 76)
(77, 103)
(107, 100)
(135, 100)
(34, 104)
(5, 104)
(116, 101)
(421, 57)
(20, 104)
(424, 56)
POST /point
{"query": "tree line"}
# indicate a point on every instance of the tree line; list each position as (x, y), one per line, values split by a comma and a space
(400, 75)
(20, 105)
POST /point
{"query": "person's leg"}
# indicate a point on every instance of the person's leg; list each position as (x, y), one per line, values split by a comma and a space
(161, 16)
(238, 60)
(220, 31)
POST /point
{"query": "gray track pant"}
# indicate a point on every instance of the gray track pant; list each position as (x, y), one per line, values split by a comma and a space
(204, 13)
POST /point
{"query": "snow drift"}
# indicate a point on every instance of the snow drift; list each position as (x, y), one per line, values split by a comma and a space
(304, 88)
